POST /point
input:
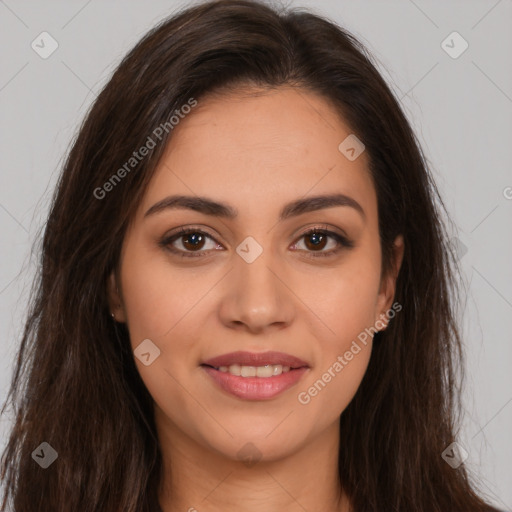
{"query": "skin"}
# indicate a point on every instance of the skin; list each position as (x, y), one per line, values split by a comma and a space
(256, 152)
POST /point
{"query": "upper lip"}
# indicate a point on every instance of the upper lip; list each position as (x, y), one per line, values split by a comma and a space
(255, 359)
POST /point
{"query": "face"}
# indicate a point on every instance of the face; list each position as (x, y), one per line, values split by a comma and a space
(254, 281)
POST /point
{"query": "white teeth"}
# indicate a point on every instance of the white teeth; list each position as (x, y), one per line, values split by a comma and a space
(269, 370)
(264, 371)
(248, 371)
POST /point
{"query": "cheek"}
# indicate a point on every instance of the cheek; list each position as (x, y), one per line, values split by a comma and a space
(161, 305)
(348, 310)
(335, 380)
(347, 302)
(158, 298)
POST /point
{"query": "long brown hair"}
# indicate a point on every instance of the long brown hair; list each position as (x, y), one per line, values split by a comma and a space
(75, 385)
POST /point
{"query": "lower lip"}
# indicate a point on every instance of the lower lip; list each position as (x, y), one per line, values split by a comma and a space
(255, 388)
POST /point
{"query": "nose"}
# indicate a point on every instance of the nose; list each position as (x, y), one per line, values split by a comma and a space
(256, 297)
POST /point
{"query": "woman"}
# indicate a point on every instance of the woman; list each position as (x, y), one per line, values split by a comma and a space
(244, 297)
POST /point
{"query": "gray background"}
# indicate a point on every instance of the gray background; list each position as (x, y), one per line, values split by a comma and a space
(460, 108)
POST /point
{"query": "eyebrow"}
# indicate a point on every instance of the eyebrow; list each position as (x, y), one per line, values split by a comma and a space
(217, 209)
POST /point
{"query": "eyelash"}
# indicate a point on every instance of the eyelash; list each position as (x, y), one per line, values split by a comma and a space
(166, 242)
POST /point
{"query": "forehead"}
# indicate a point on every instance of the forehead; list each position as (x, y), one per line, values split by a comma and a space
(256, 148)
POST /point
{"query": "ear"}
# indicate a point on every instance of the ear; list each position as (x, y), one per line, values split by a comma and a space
(115, 301)
(388, 284)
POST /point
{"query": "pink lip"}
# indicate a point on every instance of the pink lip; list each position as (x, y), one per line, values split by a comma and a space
(255, 359)
(255, 388)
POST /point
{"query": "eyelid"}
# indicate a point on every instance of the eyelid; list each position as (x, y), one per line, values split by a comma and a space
(327, 228)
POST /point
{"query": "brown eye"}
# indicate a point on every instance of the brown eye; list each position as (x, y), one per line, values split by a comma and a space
(316, 240)
(189, 242)
(193, 241)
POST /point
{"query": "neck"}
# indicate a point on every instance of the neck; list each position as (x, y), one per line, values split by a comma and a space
(198, 479)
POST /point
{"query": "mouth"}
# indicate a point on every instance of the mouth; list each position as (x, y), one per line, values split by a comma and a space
(255, 376)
